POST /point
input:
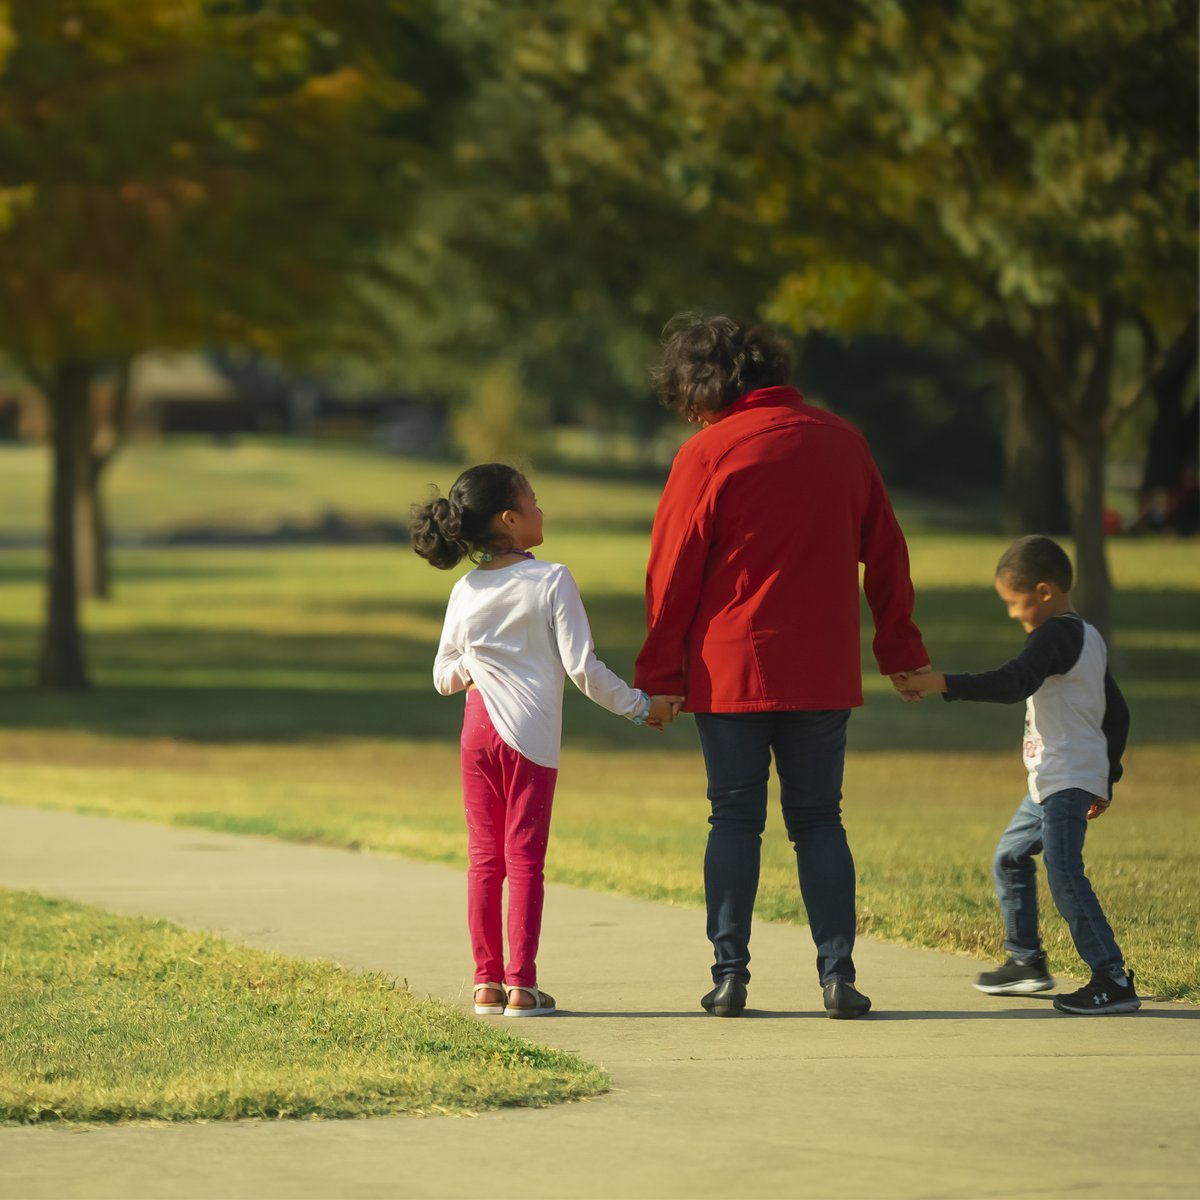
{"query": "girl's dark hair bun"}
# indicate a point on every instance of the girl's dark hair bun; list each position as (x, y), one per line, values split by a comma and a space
(435, 529)
(447, 518)
(447, 529)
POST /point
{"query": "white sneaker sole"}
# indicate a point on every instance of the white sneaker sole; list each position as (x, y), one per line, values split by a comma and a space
(1023, 987)
(489, 1010)
(530, 1012)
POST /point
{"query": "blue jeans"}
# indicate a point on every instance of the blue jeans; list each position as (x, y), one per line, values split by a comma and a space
(810, 751)
(1055, 828)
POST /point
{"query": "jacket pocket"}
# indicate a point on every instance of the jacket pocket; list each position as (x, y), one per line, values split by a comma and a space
(774, 673)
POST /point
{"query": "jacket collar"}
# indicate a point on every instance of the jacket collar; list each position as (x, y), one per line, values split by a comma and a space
(766, 398)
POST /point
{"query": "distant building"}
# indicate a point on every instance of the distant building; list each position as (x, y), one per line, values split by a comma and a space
(189, 393)
(225, 394)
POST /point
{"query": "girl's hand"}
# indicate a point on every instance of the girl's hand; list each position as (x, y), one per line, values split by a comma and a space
(1098, 807)
(663, 710)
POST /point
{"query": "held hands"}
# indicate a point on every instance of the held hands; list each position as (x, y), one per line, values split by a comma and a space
(663, 710)
(912, 685)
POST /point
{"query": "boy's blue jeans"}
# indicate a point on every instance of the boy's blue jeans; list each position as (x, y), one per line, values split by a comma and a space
(810, 751)
(1056, 829)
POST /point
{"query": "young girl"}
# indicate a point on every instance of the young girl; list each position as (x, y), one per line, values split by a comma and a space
(514, 628)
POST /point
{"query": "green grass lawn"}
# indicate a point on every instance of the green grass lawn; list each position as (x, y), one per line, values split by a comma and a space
(287, 692)
(107, 1018)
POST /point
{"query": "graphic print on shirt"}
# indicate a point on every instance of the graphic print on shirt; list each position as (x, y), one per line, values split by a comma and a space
(1032, 747)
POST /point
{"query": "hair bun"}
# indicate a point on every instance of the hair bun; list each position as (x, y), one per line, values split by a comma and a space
(448, 517)
(449, 528)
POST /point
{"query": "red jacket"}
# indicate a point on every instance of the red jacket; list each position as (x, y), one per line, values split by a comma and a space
(752, 585)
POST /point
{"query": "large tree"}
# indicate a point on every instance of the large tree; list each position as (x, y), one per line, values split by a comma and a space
(1023, 175)
(187, 172)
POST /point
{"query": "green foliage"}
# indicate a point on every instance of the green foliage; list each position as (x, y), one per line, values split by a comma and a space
(500, 420)
(1022, 175)
(107, 1019)
(554, 241)
(175, 172)
(1006, 158)
(980, 161)
(6, 39)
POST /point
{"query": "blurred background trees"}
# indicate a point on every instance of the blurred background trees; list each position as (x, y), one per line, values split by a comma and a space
(193, 172)
(1019, 177)
(979, 218)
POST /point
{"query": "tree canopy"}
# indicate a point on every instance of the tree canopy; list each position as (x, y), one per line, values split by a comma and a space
(1022, 175)
(180, 172)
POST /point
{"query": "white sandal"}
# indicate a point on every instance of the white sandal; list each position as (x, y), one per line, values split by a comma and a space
(489, 1010)
(543, 1004)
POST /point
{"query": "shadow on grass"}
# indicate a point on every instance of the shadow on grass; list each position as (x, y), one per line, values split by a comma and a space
(252, 684)
(31, 567)
(19, 570)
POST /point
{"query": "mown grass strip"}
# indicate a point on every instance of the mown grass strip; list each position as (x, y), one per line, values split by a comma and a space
(105, 1018)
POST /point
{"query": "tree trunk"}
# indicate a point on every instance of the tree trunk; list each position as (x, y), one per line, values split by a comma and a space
(62, 665)
(1167, 449)
(106, 427)
(91, 534)
(1033, 463)
(1084, 456)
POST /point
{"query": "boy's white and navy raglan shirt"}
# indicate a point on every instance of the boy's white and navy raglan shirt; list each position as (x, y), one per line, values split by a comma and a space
(1076, 720)
(517, 632)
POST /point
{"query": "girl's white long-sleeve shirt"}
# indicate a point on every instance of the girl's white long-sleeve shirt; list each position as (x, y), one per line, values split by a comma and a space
(516, 632)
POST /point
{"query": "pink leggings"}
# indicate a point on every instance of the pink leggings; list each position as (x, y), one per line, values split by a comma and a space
(507, 800)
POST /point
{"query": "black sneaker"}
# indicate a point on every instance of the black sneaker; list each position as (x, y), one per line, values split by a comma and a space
(1102, 995)
(1017, 979)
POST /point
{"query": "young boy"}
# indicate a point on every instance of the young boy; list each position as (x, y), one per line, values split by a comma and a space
(1076, 723)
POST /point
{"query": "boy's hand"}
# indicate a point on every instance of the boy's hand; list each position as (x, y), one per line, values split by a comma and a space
(663, 710)
(1098, 807)
(912, 685)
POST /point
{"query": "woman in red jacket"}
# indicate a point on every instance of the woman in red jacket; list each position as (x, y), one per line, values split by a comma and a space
(752, 612)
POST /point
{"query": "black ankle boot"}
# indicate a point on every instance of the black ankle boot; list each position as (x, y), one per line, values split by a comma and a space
(844, 1001)
(727, 999)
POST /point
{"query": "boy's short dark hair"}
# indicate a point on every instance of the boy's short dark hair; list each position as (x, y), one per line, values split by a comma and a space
(709, 363)
(1032, 560)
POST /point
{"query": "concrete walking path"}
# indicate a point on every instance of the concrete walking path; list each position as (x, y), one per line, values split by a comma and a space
(942, 1092)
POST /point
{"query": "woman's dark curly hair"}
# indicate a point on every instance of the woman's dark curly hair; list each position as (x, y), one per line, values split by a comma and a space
(447, 529)
(709, 363)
